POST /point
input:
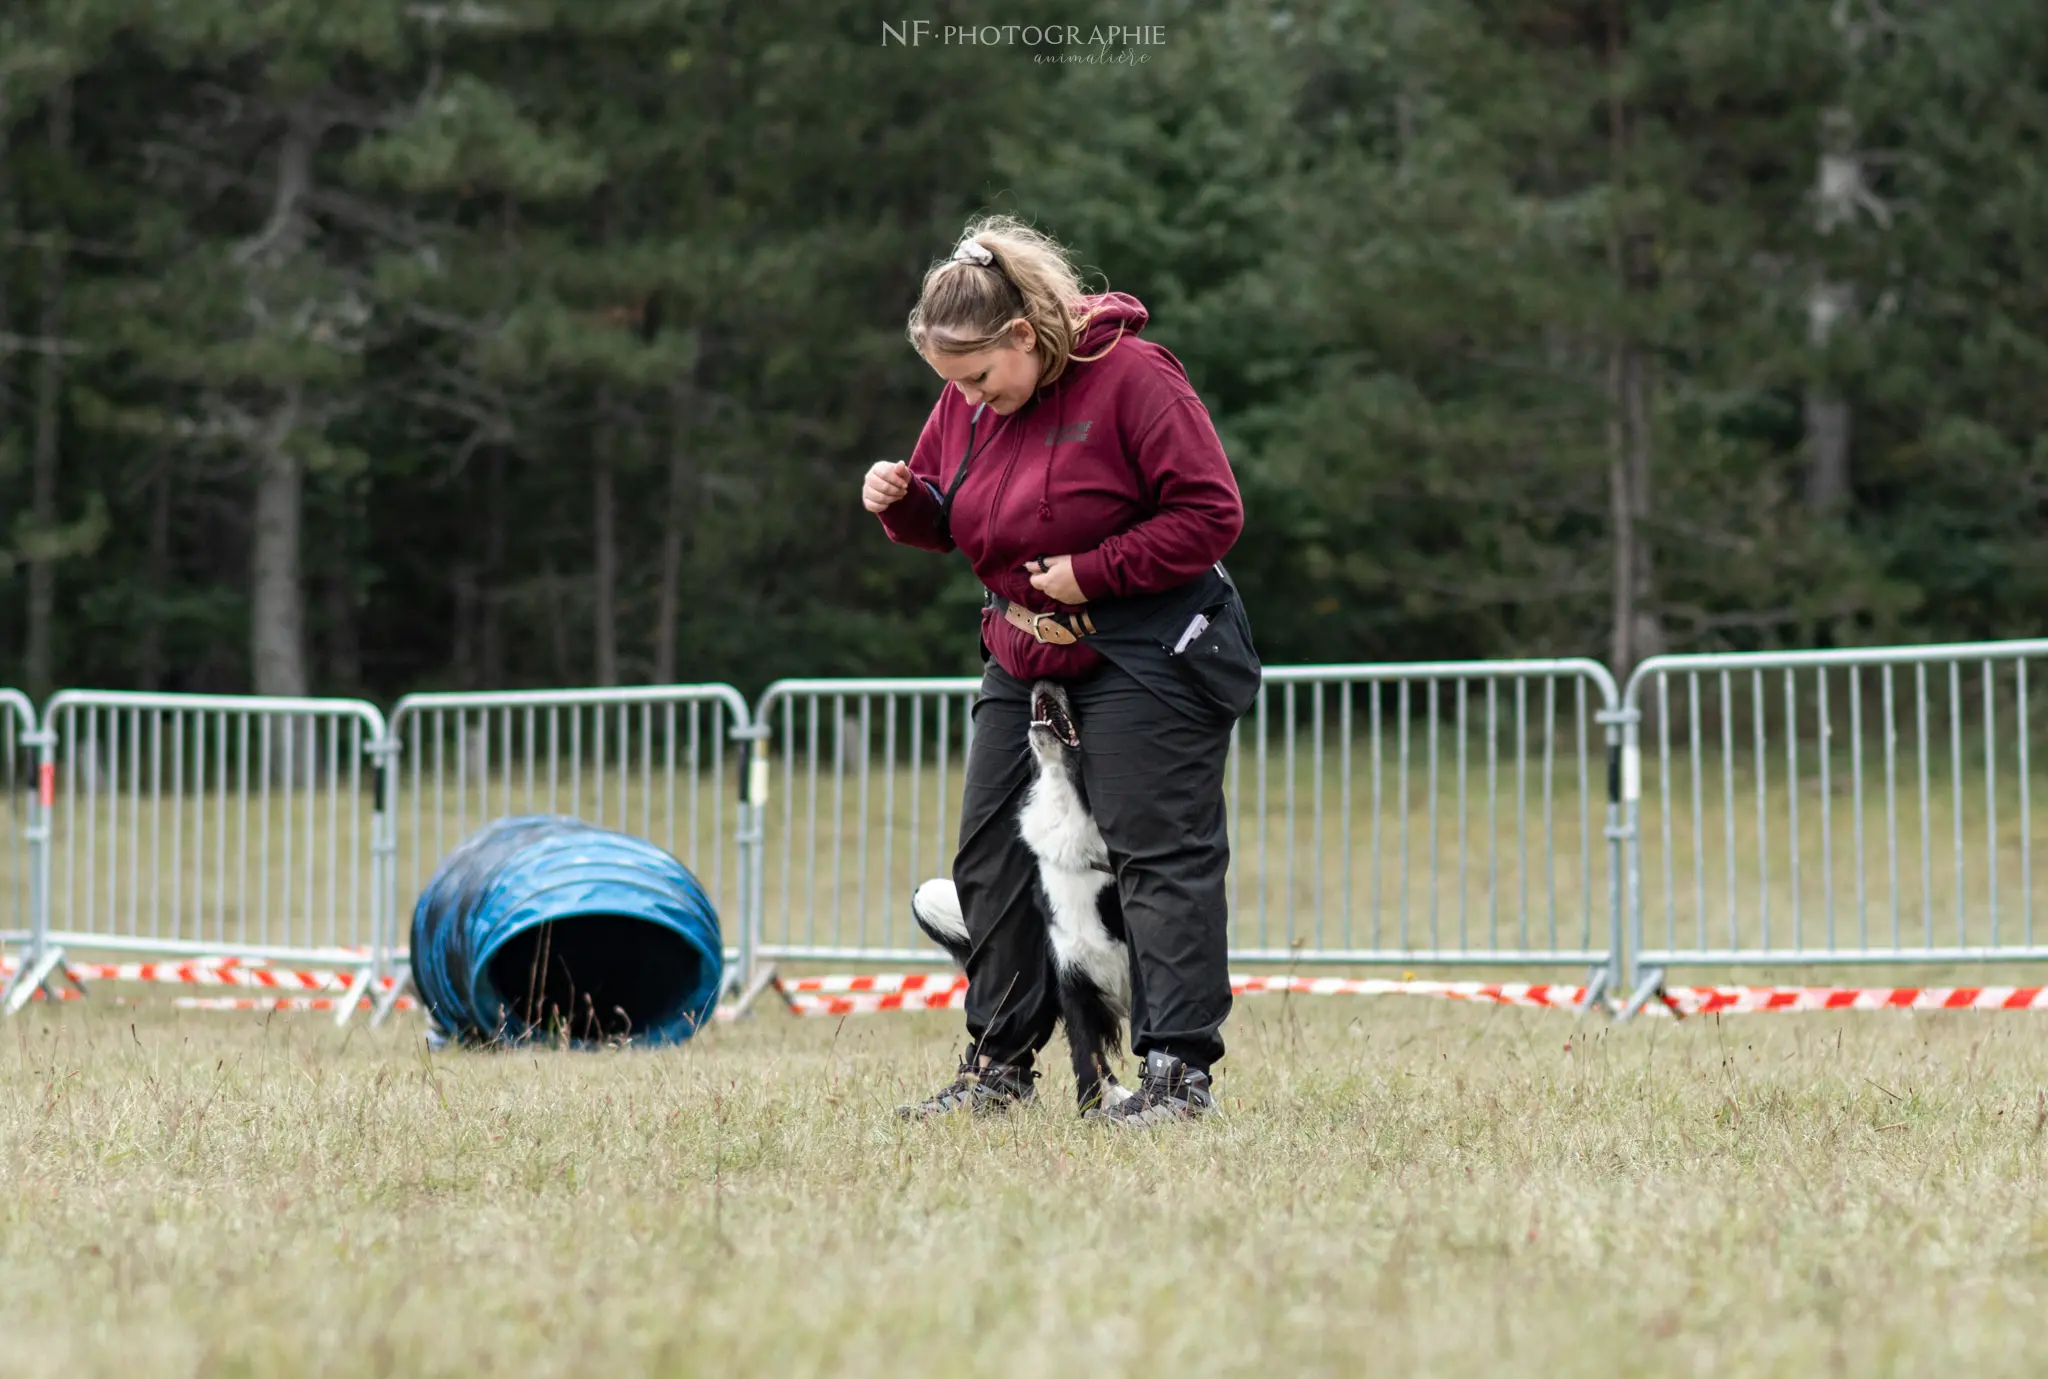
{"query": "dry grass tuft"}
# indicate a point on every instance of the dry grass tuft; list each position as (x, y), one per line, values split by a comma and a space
(1398, 1187)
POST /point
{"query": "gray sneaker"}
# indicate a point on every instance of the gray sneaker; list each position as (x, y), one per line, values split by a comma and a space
(1168, 1091)
(984, 1088)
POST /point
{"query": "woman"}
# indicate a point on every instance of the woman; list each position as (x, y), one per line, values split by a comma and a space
(1073, 464)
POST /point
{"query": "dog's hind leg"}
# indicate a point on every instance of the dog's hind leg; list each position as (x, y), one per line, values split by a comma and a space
(1094, 972)
(935, 906)
(1095, 1037)
(1094, 981)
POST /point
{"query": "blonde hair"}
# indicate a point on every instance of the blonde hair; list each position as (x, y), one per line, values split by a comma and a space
(967, 306)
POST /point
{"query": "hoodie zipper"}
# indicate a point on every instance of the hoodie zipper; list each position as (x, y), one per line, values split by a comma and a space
(1052, 448)
(995, 508)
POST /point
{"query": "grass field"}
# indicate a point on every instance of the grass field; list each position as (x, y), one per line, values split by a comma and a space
(1397, 1187)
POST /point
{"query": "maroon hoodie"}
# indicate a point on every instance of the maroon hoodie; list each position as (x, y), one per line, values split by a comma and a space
(1115, 463)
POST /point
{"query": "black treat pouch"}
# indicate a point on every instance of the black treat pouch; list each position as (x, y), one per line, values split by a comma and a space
(1220, 664)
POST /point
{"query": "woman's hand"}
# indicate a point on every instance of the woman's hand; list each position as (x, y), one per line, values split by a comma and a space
(1053, 576)
(888, 483)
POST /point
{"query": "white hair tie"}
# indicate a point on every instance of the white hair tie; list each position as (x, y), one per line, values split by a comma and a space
(974, 251)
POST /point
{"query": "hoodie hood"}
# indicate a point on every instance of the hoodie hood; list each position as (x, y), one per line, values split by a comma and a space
(1110, 315)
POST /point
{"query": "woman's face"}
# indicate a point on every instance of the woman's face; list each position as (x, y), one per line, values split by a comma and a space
(1003, 377)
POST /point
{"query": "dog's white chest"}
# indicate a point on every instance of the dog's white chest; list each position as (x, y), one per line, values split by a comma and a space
(1071, 859)
(1058, 828)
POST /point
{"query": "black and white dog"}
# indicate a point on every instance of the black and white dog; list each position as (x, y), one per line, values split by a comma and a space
(1091, 954)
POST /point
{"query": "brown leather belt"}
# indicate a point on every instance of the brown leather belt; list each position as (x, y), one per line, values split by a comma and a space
(1060, 629)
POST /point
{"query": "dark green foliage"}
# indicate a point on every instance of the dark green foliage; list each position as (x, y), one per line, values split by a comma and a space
(588, 318)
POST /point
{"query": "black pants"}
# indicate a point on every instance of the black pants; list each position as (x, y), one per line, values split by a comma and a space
(1153, 778)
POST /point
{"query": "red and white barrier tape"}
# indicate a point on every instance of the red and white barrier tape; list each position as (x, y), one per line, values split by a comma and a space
(1747, 1000)
(292, 1003)
(211, 972)
(873, 1003)
(867, 995)
(186, 974)
(871, 994)
(867, 982)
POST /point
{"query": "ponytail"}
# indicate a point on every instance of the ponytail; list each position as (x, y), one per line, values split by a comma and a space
(1003, 271)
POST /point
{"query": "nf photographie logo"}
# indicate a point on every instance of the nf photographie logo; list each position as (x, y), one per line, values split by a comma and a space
(1059, 43)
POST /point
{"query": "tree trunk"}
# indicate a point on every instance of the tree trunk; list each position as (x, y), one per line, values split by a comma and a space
(606, 576)
(1839, 191)
(1827, 458)
(1638, 632)
(558, 623)
(42, 566)
(6, 227)
(1621, 656)
(1628, 459)
(150, 656)
(1647, 639)
(462, 641)
(1631, 262)
(673, 529)
(491, 635)
(1620, 505)
(277, 614)
(344, 642)
(277, 644)
(6, 327)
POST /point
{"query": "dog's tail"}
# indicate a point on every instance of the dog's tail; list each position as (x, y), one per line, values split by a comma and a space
(935, 906)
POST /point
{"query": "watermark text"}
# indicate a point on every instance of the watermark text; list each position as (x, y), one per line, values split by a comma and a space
(916, 33)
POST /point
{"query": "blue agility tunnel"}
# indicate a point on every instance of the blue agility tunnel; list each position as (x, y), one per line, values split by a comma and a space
(545, 926)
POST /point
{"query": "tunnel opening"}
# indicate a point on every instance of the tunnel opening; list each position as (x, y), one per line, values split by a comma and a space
(595, 977)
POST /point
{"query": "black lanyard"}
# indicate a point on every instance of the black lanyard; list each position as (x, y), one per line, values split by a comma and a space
(946, 502)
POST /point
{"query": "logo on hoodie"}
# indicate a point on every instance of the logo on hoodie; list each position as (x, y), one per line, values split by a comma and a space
(1067, 435)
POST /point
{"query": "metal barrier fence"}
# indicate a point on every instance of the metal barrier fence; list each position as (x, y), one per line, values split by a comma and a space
(1869, 806)
(1448, 813)
(23, 822)
(866, 773)
(1781, 809)
(650, 761)
(1443, 813)
(185, 825)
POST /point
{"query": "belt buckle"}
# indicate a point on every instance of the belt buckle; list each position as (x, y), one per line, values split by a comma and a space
(1038, 622)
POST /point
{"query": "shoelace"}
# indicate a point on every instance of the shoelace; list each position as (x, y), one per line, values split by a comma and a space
(1153, 1092)
(1005, 1083)
(949, 1097)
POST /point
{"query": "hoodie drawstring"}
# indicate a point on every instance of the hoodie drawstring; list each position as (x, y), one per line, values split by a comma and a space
(1052, 448)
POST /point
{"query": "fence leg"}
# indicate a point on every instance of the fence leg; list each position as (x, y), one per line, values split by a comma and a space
(41, 957)
(764, 980)
(753, 811)
(387, 1000)
(383, 879)
(1622, 771)
(1650, 988)
(1597, 985)
(32, 976)
(357, 985)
